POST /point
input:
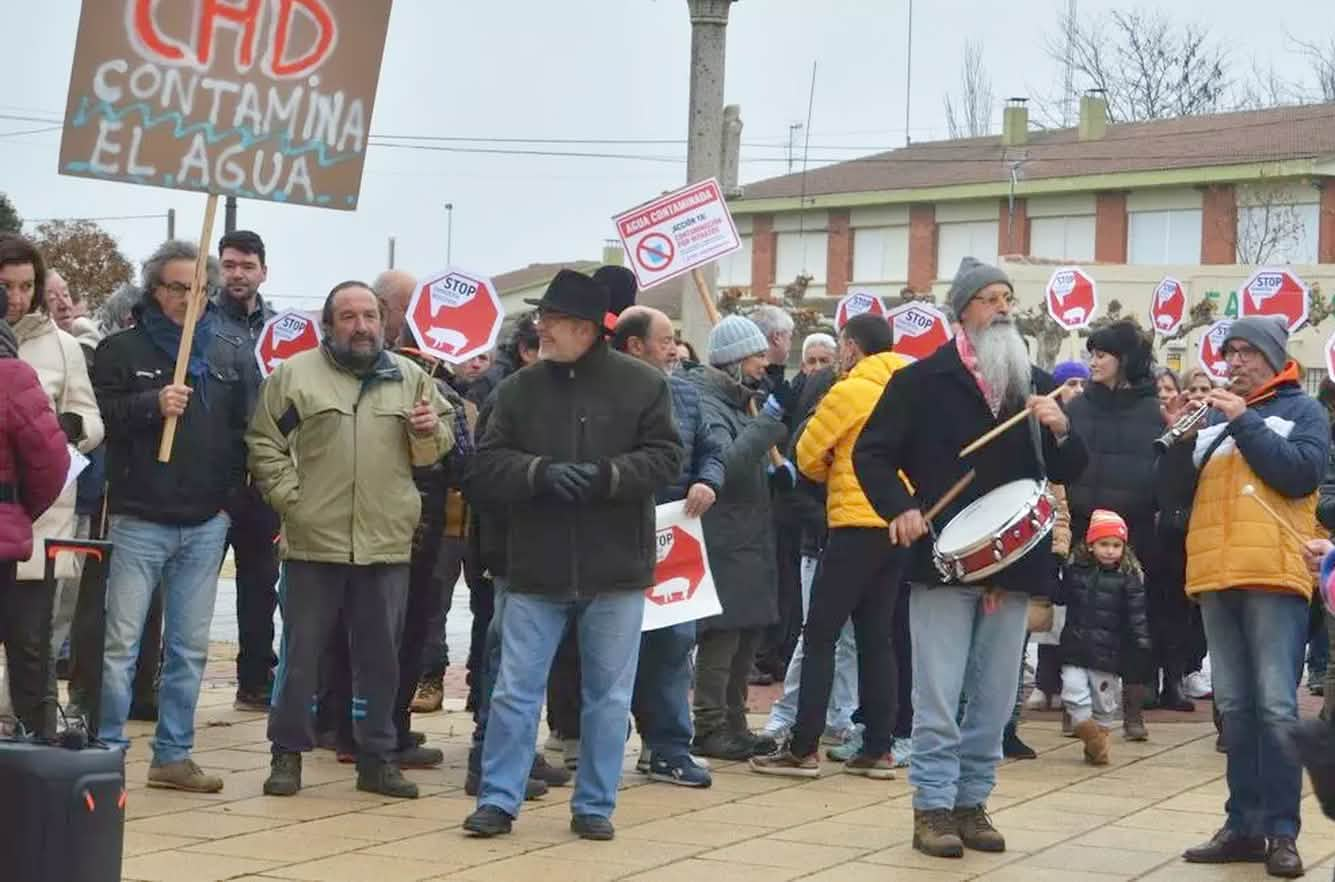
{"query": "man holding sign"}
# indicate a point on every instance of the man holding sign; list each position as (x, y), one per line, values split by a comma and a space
(168, 520)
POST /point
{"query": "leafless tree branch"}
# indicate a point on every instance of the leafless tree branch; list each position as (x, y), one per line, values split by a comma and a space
(970, 116)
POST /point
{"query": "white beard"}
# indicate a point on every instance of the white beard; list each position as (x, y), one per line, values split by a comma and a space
(1003, 361)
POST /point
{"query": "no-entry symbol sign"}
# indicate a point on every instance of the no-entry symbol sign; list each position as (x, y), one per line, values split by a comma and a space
(655, 252)
(678, 232)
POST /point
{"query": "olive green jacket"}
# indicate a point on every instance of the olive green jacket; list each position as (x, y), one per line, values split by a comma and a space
(332, 453)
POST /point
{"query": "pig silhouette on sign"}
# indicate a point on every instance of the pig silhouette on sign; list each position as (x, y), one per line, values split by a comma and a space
(447, 338)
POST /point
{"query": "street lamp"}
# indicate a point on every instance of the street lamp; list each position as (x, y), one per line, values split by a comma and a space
(449, 233)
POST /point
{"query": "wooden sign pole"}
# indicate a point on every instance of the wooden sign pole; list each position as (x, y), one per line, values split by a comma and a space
(195, 306)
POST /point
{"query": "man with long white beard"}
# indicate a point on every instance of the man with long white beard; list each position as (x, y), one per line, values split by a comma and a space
(973, 634)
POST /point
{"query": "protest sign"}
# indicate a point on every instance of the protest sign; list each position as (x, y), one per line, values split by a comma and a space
(263, 100)
(683, 589)
(677, 233)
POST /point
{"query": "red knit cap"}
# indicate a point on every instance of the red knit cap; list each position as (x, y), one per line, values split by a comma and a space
(1104, 524)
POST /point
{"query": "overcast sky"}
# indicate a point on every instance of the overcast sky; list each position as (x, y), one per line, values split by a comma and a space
(576, 69)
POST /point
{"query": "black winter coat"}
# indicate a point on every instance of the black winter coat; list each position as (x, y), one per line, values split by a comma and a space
(1105, 615)
(1118, 428)
(608, 409)
(207, 467)
(929, 411)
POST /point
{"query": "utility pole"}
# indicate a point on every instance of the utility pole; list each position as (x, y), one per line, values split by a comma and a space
(391, 252)
(1068, 100)
(449, 234)
(704, 144)
(229, 214)
(171, 224)
(908, 79)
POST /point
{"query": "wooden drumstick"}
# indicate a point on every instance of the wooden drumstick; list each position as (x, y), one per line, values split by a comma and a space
(1249, 490)
(992, 433)
(949, 496)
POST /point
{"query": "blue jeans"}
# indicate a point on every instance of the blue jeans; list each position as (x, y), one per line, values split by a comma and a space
(662, 701)
(964, 654)
(1256, 655)
(185, 560)
(491, 667)
(843, 695)
(609, 648)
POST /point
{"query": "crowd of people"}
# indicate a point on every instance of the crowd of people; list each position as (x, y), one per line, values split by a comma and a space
(358, 482)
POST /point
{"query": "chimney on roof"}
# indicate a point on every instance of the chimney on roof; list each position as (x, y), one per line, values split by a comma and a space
(1015, 123)
(1093, 115)
(613, 253)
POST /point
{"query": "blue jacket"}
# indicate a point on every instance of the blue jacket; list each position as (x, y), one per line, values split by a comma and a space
(703, 462)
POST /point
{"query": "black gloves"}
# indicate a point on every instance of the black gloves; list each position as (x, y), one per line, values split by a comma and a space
(570, 481)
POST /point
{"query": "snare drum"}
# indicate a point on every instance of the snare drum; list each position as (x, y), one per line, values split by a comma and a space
(994, 531)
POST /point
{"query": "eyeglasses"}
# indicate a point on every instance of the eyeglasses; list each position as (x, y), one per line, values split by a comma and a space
(1005, 298)
(1242, 353)
(180, 289)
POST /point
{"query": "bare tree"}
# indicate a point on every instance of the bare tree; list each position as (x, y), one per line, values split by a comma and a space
(1321, 61)
(1269, 230)
(1148, 66)
(970, 116)
(1264, 87)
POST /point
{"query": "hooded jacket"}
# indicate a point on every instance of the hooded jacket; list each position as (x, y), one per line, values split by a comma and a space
(59, 361)
(1105, 613)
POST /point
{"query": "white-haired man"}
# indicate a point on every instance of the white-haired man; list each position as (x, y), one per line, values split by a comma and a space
(977, 631)
(819, 351)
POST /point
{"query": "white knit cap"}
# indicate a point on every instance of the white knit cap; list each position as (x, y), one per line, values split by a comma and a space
(733, 339)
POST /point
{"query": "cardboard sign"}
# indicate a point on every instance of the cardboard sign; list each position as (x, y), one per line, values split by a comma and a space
(1275, 291)
(455, 315)
(1168, 306)
(677, 233)
(286, 334)
(1072, 297)
(683, 589)
(918, 330)
(1210, 350)
(265, 100)
(856, 303)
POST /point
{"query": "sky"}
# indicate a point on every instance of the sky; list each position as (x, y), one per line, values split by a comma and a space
(613, 70)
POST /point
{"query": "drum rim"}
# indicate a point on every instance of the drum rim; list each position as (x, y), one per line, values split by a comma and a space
(948, 561)
(1041, 489)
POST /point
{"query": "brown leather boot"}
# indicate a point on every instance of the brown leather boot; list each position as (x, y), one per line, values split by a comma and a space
(1133, 712)
(1096, 742)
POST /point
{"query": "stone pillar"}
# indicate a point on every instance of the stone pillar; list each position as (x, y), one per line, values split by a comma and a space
(1013, 230)
(732, 150)
(1219, 224)
(1110, 228)
(1326, 222)
(762, 254)
(704, 144)
(922, 247)
(838, 254)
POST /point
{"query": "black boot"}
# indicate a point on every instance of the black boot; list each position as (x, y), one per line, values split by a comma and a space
(1013, 748)
(1171, 698)
(375, 775)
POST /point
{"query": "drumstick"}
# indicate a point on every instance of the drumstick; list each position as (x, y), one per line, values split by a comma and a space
(949, 496)
(994, 432)
(1249, 490)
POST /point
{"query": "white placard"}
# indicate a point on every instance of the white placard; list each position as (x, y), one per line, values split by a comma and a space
(683, 589)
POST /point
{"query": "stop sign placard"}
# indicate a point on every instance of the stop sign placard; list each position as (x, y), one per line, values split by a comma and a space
(856, 303)
(1275, 291)
(286, 334)
(455, 315)
(1072, 297)
(680, 569)
(918, 330)
(1168, 306)
(1330, 357)
(1210, 351)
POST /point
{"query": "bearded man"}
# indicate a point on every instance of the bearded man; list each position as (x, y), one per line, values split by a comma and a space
(976, 632)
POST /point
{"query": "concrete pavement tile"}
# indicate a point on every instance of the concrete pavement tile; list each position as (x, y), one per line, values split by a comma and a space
(831, 801)
(669, 796)
(778, 853)
(279, 845)
(539, 866)
(289, 808)
(861, 872)
(444, 807)
(347, 790)
(1138, 839)
(630, 852)
(687, 832)
(360, 868)
(202, 824)
(696, 870)
(1107, 806)
(1020, 839)
(740, 780)
(1092, 859)
(790, 815)
(888, 815)
(460, 849)
(629, 815)
(174, 866)
(1181, 871)
(228, 760)
(136, 843)
(1026, 817)
(1025, 872)
(974, 862)
(849, 835)
(1159, 819)
(373, 828)
(147, 803)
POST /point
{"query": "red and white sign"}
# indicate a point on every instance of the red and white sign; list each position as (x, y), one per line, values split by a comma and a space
(1275, 291)
(856, 303)
(286, 334)
(678, 232)
(1168, 306)
(455, 315)
(918, 330)
(1211, 349)
(1330, 357)
(1072, 297)
(683, 589)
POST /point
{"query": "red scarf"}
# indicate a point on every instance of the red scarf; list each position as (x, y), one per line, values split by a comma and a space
(970, 358)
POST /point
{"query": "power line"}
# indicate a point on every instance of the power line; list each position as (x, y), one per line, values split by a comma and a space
(118, 217)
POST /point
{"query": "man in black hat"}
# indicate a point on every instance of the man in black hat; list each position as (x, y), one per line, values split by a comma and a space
(575, 449)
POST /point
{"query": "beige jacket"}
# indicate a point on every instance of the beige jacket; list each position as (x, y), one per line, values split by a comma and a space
(58, 359)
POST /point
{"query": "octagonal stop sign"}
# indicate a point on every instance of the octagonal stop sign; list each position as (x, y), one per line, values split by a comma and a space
(1275, 291)
(680, 569)
(283, 336)
(1211, 349)
(917, 330)
(455, 315)
(1072, 297)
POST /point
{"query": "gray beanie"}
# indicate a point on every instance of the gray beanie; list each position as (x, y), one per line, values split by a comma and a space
(972, 277)
(733, 339)
(1268, 333)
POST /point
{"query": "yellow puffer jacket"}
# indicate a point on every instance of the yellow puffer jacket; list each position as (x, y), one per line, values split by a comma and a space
(825, 450)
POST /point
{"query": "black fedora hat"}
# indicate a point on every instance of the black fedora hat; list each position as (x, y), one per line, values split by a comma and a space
(576, 295)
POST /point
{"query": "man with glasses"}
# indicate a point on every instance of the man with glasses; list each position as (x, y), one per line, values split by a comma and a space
(1248, 573)
(168, 520)
(575, 449)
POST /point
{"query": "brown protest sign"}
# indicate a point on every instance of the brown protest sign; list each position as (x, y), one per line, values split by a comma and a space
(263, 99)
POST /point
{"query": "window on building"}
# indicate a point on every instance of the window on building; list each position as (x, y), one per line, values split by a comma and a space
(880, 254)
(1062, 238)
(1172, 236)
(735, 269)
(956, 241)
(800, 254)
(1278, 233)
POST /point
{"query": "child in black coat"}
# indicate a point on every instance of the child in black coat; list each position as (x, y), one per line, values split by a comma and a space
(1104, 595)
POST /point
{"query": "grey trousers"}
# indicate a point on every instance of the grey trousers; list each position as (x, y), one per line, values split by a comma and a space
(372, 600)
(722, 664)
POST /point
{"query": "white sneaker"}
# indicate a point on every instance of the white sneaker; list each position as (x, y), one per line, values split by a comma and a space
(1037, 700)
(1197, 685)
(901, 751)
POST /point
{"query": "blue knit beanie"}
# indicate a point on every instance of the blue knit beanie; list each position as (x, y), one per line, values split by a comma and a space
(733, 339)
(1070, 370)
